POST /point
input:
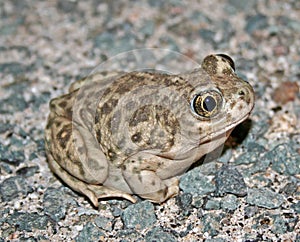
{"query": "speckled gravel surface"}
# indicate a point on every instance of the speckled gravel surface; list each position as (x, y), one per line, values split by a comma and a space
(250, 193)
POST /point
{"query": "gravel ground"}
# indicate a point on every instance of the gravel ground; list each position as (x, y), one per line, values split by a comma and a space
(250, 193)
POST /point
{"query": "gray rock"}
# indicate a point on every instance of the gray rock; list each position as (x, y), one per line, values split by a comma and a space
(252, 156)
(263, 197)
(226, 156)
(14, 68)
(215, 240)
(5, 168)
(139, 216)
(68, 6)
(250, 211)
(13, 157)
(55, 203)
(27, 171)
(4, 127)
(260, 166)
(37, 100)
(129, 235)
(284, 160)
(104, 223)
(247, 158)
(211, 223)
(184, 200)
(296, 207)
(198, 201)
(107, 41)
(242, 5)
(156, 3)
(12, 104)
(157, 234)
(230, 180)
(147, 28)
(256, 22)
(90, 232)
(170, 43)
(279, 225)
(230, 203)
(212, 204)
(290, 188)
(28, 221)
(293, 24)
(12, 187)
(207, 35)
(116, 211)
(195, 182)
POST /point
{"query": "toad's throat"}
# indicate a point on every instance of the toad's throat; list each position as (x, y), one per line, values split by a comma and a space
(222, 132)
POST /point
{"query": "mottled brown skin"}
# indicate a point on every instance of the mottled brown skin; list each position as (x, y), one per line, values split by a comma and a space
(117, 134)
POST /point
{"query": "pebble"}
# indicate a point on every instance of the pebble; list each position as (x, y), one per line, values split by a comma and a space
(211, 223)
(230, 180)
(230, 203)
(207, 35)
(241, 5)
(12, 157)
(139, 216)
(250, 211)
(68, 6)
(290, 188)
(27, 171)
(4, 127)
(131, 234)
(212, 204)
(55, 202)
(264, 197)
(107, 41)
(283, 159)
(198, 201)
(184, 200)
(14, 68)
(215, 240)
(195, 182)
(28, 221)
(279, 225)
(12, 104)
(13, 187)
(90, 232)
(256, 22)
(296, 207)
(104, 223)
(158, 235)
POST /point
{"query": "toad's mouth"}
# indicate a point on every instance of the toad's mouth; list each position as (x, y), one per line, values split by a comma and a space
(223, 132)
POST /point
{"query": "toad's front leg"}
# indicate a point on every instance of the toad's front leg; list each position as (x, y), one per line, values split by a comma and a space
(139, 172)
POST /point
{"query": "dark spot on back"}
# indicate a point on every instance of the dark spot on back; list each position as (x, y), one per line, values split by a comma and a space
(63, 136)
(111, 154)
(136, 138)
(62, 104)
(141, 115)
(124, 87)
(98, 135)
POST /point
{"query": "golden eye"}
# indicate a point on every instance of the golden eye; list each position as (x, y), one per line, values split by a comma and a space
(207, 104)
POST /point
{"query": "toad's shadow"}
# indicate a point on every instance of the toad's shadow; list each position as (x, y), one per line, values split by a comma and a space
(238, 135)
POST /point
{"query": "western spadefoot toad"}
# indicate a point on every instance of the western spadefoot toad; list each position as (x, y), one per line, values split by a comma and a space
(118, 134)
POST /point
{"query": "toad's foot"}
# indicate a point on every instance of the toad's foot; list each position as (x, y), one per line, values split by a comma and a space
(92, 191)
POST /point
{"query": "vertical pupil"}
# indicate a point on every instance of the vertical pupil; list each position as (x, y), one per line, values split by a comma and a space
(209, 103)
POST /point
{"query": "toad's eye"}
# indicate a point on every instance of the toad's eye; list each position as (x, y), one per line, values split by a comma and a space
(207, 104)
